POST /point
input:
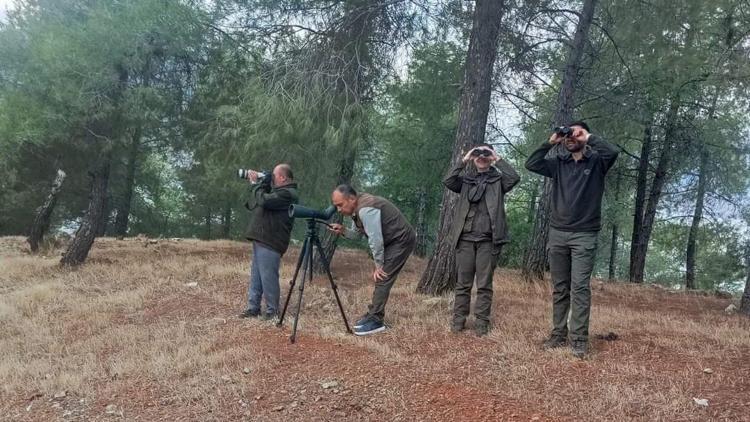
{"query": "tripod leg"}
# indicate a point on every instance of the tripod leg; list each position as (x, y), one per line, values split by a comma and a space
(307, 251)
(291, 283)
(333, 284)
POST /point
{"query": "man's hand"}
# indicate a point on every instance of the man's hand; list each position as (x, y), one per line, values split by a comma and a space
(337, 229)
(580, 135)
(379, 274)
(468, 157)
(252, 176)
(495, 157)
(555, 139)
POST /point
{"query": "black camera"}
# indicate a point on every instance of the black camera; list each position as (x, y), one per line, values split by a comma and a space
(264, 177)
(298, 211)
(483, 152)
(563, 131)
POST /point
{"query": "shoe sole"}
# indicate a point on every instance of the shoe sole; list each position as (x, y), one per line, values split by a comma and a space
(551, 347)
(367, 333)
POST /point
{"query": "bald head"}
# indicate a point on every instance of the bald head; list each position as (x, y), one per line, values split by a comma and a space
(282, 175)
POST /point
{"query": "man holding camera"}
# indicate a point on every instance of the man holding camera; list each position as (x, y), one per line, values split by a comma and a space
(479, 230)
(270, 229)
(577, 166)
(391, 239)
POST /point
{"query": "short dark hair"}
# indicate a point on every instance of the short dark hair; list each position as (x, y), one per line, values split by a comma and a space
(346, 190)
(485, 145)
(286, 170)
(580, 123)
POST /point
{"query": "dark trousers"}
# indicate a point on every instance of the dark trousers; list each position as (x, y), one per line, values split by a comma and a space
(395, 257)
(475, 261)
(571, 261)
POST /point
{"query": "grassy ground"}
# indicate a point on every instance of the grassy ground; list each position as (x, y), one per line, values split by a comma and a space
(147, 331)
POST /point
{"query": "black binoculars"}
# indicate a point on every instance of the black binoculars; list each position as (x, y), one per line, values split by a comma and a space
(563, 131)
(481, 152)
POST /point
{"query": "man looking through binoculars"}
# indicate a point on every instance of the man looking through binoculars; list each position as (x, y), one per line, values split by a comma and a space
(479, 230)
(270, 229)
(577, 162)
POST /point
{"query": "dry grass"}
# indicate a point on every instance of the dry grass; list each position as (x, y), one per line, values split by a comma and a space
(129, 329)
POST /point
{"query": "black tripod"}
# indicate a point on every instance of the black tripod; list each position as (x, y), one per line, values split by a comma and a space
(305, 261)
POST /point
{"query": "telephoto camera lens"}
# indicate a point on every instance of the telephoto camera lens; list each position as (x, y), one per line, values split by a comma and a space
(262, 175)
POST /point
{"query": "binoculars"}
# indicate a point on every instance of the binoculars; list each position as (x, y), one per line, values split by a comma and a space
(563, 131)
(481, 153)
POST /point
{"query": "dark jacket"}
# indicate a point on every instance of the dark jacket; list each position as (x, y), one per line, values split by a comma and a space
(577, 187)
(500, 181)
(270, 223)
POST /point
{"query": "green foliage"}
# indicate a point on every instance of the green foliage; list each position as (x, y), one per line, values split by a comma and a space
(204, 89)
(414, 132)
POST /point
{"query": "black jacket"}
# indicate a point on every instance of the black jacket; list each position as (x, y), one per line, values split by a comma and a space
(270, 223)
(501, 180)
(577, 187)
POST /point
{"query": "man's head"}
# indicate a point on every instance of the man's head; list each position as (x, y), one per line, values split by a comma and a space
(576, 141)
(344, 198)
(282, 175)
(483, 156)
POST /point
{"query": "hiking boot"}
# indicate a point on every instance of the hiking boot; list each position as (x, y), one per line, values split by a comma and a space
(249, 313)
(270, 316)
(362, 321)
(457, 326)
(554, 341)
(481, 329)
(370, 327)
(580, 348)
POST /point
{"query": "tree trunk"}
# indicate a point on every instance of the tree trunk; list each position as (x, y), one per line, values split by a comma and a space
(421, 226)
(226, 222)
(42, 219)
(100, 138)
(745, 301)
(657, 186)
(641, 183)
(101, 229)
(207, 220)
(532, 202)
(440, 274)
(690, 254)
(123, 210)
(535, 257)
(615, 234)
(84, 236)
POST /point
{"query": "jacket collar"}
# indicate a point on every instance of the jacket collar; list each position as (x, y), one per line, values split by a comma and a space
(292, 185)
(493, 175)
